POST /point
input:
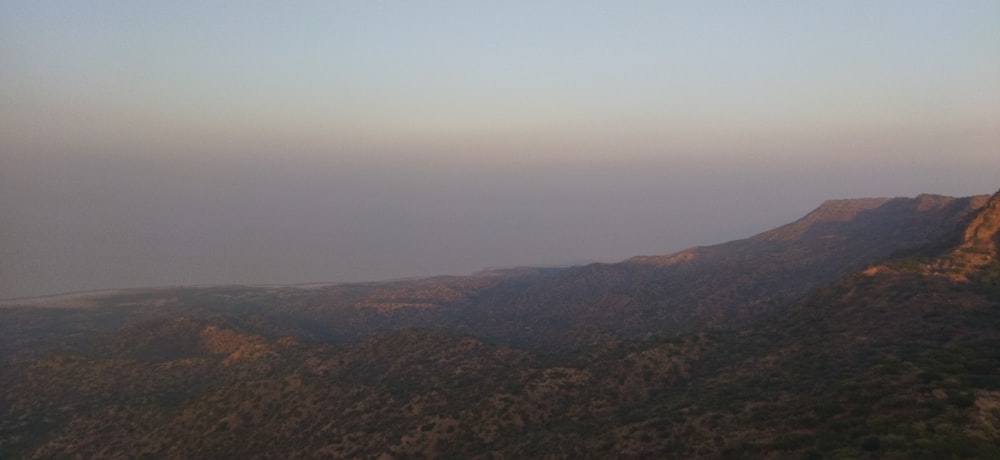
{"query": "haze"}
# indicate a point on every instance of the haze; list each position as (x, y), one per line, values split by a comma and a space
(147, 144)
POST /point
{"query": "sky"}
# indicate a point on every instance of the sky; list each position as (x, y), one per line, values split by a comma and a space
(167, 143)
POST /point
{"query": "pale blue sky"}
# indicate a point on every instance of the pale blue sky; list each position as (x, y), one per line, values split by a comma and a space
(411, 138)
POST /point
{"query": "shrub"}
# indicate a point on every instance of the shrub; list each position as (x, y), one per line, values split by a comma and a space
(961, 400)
(871, 443)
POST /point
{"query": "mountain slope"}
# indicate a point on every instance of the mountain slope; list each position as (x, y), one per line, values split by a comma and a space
(721, 287)
(733, 284)
(896, 361)
(717, 287)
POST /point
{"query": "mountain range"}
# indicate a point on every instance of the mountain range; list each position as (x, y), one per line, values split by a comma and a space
(869, 328)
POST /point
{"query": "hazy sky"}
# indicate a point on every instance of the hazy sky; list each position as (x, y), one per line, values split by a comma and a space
(159, 143)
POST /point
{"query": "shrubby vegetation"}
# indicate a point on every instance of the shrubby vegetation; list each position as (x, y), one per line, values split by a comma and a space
(899, 361)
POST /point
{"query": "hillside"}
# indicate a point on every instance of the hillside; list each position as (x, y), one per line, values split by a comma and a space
(720, 287)
(894, 359)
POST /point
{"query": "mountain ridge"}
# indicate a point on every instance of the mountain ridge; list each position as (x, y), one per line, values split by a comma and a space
(718, 287)
(894, 363)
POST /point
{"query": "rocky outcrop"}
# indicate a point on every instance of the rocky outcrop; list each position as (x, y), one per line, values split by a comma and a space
(981, 238)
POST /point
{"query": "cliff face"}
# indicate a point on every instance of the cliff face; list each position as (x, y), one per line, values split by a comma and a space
(982, 237)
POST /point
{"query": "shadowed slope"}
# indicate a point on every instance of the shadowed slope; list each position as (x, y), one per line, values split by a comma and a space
(716, 287)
